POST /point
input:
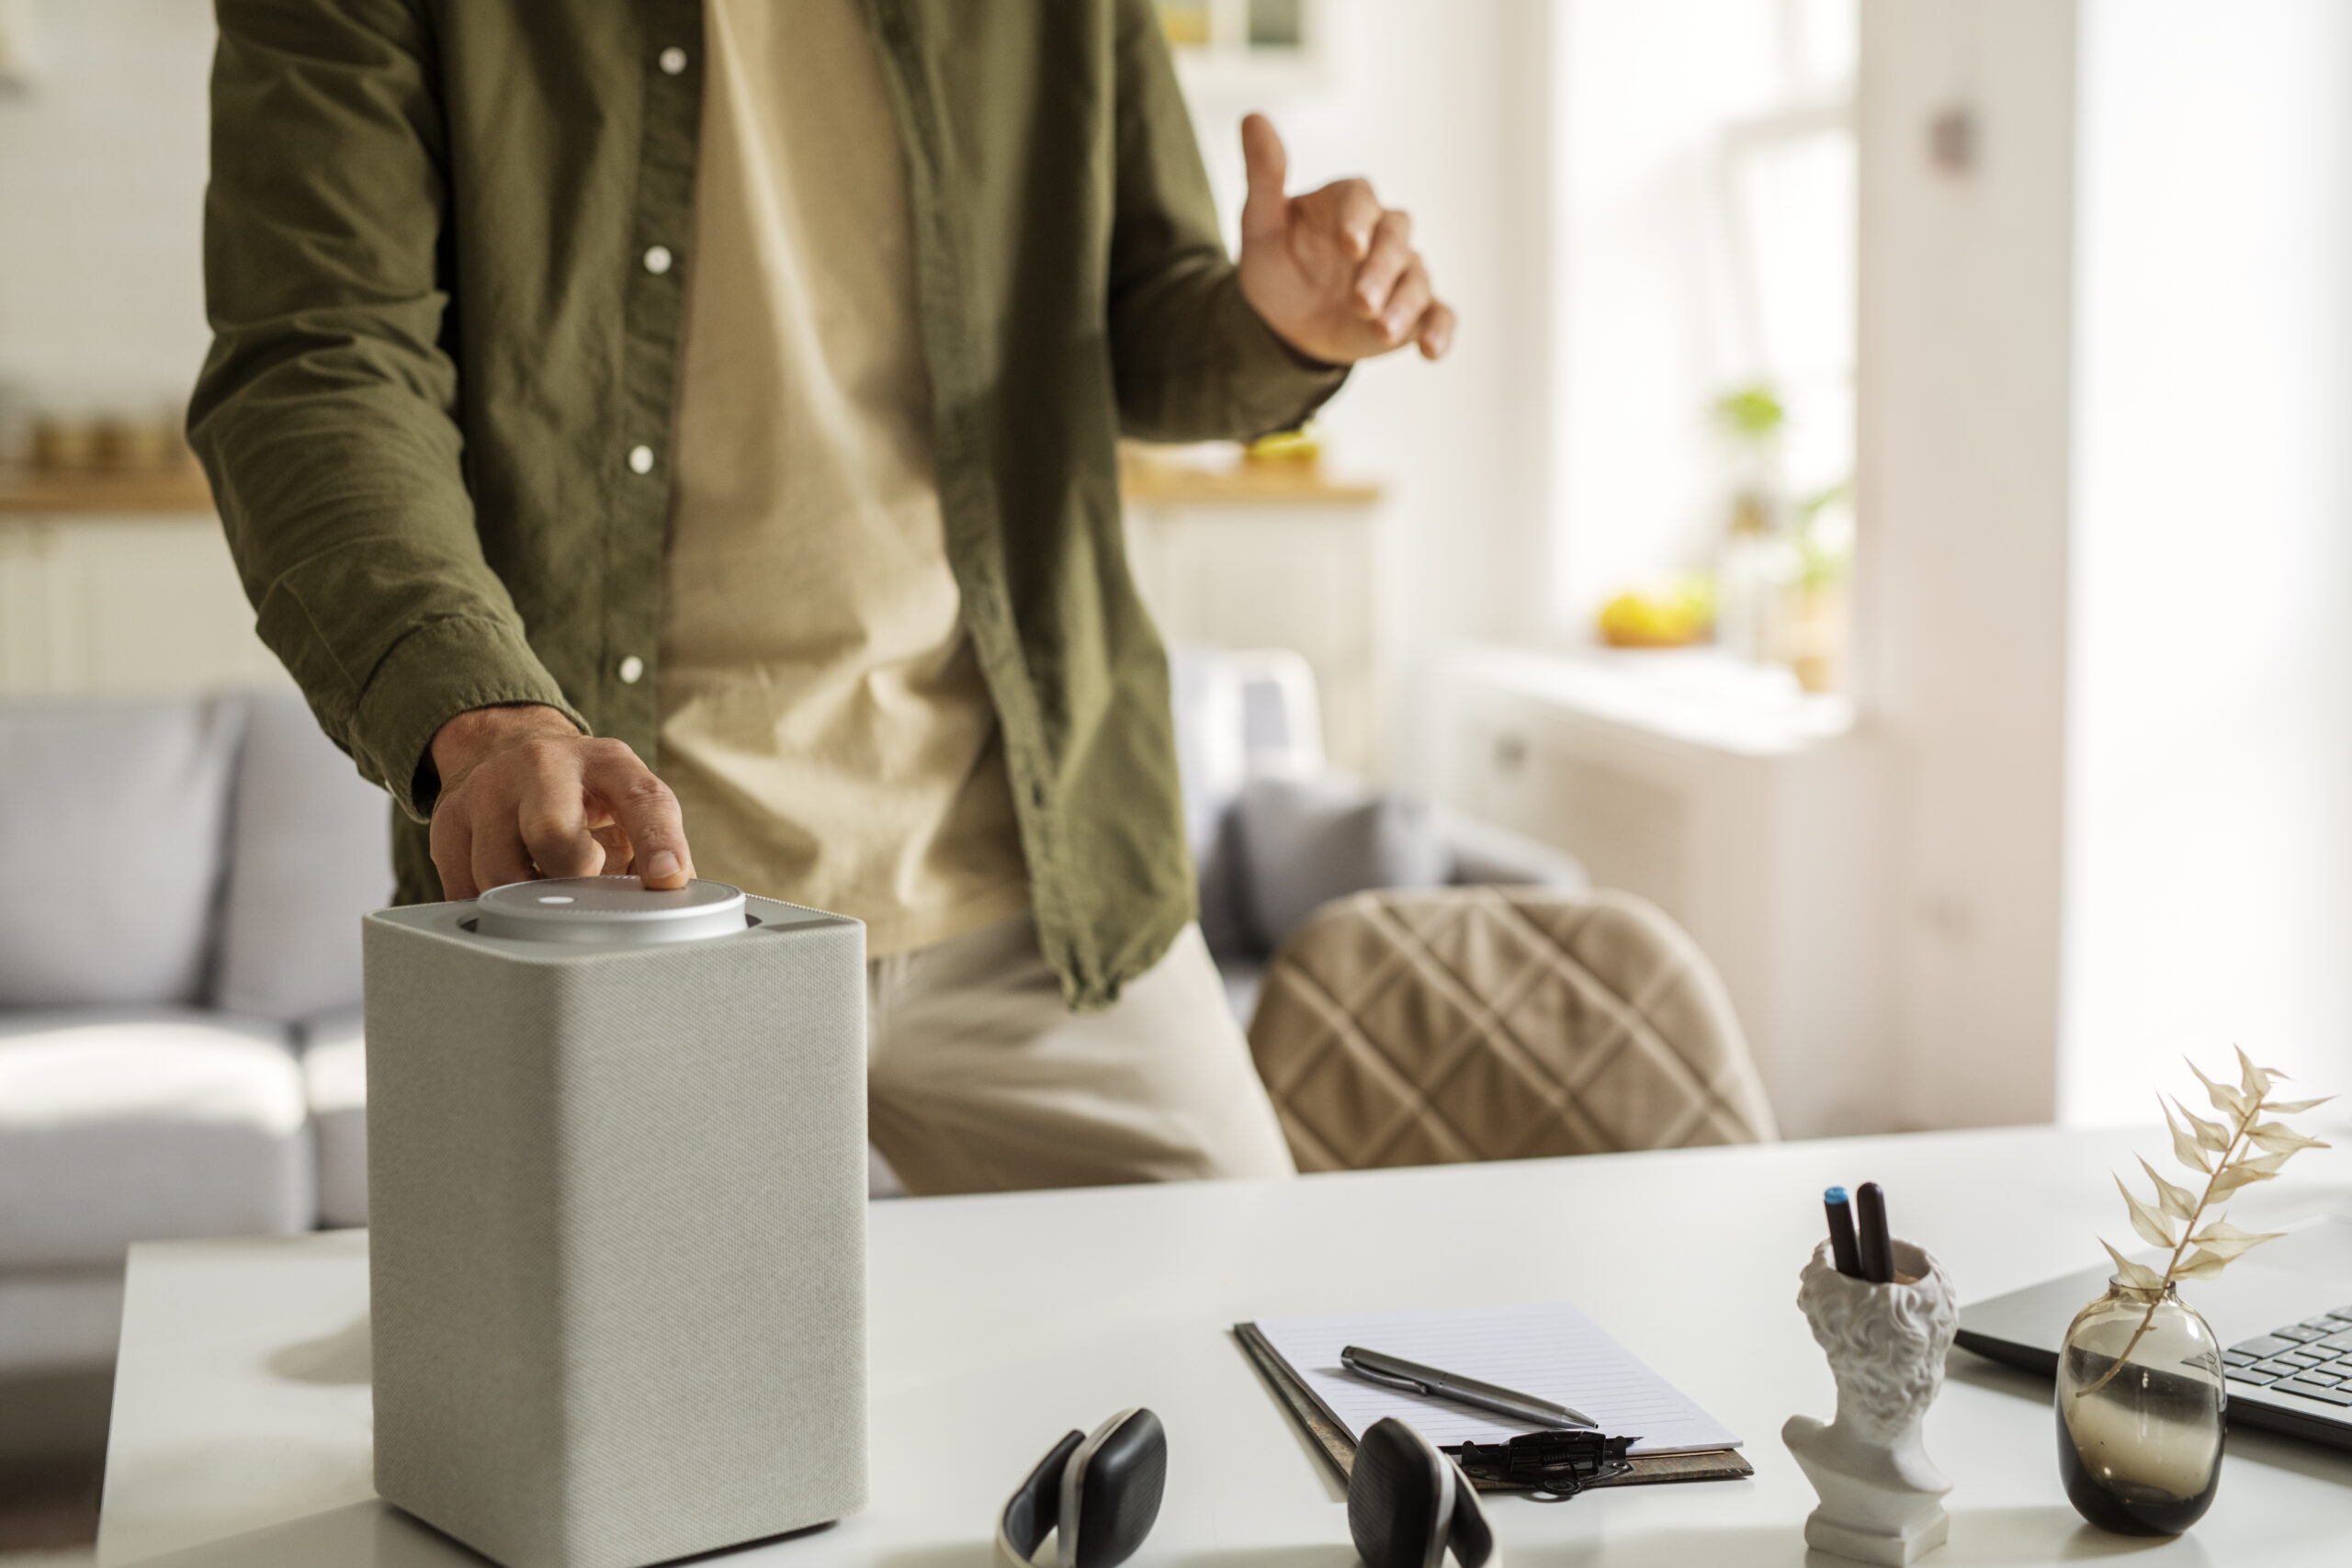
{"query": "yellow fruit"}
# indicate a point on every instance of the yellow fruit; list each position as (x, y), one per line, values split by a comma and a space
(1673, 616)
(1286, 447)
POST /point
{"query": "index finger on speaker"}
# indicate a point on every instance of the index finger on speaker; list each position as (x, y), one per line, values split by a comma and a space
(552, 815)
(646, 810)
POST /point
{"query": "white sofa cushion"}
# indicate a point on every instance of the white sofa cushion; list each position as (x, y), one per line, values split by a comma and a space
(123, 1128)
(116, 815)
(310, 854)
(335, 1075)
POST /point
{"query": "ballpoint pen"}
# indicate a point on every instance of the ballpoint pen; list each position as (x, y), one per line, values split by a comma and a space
(1392, 1371)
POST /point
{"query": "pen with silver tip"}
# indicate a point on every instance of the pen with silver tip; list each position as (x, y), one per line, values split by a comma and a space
(1395, 1371)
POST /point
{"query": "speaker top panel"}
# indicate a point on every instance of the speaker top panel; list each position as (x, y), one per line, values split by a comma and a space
(609, 911)
(576, 918)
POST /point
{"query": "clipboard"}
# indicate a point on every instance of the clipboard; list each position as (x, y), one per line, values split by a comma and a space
(1338, 1449)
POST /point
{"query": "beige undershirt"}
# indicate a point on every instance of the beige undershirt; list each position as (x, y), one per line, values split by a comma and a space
(823, 718)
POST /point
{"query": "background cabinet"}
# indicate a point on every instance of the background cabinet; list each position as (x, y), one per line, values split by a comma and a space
(121, 587)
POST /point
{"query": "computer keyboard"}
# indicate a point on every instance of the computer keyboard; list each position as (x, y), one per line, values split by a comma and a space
(2313, 1358)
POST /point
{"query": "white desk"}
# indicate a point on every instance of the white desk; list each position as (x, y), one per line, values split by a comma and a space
(241, 1428)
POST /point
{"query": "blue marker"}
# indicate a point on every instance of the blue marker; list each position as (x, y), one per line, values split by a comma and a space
(1843, 1249)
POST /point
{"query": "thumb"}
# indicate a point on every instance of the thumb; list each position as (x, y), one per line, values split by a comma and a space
(1262, 153)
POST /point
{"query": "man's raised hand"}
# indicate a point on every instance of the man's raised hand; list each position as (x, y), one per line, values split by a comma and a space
(1333, 271)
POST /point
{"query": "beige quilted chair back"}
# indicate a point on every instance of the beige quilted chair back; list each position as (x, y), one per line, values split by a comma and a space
(1429, 1026)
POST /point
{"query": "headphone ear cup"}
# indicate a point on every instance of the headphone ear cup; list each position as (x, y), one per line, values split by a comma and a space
(1473, 1539)
(1112, 1498)
(1401, 1498)
(1032, 1509)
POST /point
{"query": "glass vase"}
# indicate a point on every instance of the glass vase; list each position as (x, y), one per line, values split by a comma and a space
(2140, 1446)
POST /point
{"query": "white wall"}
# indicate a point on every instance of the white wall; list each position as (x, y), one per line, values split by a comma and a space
(2210, 790)
(1962, 481)
(102, 166)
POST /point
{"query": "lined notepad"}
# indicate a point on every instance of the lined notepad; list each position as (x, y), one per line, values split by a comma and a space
(1549, 1350)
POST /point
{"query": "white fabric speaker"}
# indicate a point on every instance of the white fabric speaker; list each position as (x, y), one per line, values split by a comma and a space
(616, 1173)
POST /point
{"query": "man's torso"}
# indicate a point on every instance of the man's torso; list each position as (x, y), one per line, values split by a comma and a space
(823, 718)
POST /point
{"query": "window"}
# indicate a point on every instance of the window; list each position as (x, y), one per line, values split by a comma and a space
(1705, 185)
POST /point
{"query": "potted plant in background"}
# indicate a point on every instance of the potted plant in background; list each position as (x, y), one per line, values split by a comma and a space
(1780, 575)
(1759, 566)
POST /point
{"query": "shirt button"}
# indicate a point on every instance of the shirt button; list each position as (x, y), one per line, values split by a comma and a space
(632, 671)
(673, 61)
(657, 259)
(640, 459)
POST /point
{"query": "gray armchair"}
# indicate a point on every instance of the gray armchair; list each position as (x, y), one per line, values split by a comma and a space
(1277, 833)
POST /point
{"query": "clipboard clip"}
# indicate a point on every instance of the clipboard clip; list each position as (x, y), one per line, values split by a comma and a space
(1551, 1467)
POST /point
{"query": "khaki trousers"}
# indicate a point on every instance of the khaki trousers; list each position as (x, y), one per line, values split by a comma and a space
(980, 1079)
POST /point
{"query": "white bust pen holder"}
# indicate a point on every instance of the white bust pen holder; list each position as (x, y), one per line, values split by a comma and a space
(1881, 1497)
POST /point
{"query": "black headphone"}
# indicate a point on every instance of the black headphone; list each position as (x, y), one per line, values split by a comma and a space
(1408, 1503)
(1099, 1496)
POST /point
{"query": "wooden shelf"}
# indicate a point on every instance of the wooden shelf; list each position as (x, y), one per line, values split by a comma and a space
(1250, 484)
(27, 491)
(31, 491)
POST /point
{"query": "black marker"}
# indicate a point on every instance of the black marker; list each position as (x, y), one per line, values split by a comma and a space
(1842, 1250)
(1877, 1249)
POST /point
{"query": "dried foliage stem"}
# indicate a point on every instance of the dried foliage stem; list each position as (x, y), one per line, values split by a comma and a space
(2249, 1149)
(2147, 1321)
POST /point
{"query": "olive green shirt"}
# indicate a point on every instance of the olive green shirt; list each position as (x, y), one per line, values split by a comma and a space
(447, 244)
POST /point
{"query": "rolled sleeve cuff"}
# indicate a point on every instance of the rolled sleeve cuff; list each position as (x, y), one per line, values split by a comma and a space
(1277, 387)
(435, 672)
